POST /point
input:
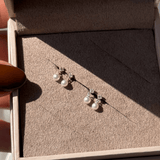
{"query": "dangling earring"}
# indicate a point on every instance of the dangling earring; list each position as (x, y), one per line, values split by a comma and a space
(87, 99)
(58, 75)
(65, 83)
(97, 103)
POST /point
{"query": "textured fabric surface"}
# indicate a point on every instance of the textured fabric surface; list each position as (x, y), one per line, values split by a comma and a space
(119, 65)
(48, 16)
(156, 2)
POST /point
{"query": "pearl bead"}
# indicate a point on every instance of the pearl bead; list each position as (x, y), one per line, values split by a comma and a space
(64, 83)
(95, 106)
(56, 77)
(87, 100)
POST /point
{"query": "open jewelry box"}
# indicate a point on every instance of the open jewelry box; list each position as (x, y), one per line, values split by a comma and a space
(111, 46)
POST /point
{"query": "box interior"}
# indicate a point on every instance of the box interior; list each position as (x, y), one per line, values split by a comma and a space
(121, 65)
(45, 16)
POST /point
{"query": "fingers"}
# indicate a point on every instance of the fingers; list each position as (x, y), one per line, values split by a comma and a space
(3, 47)
(4, 96)
(5, 140)
(3, 15)
(5, 102)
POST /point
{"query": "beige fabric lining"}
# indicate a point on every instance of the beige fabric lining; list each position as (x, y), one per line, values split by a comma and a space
(46, 16)
(119, 65)
(157, 2)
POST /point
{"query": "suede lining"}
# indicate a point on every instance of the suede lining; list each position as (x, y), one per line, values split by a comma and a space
(46, 16)
(119, 65)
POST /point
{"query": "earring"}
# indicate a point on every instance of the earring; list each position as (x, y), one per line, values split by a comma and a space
(87, 99)
(65, 83)
(57, 75)
(95, 105)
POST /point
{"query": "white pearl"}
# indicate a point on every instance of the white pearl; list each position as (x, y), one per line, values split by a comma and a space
(87, 100)
(95, 106)
(56, 77)
(64, 83)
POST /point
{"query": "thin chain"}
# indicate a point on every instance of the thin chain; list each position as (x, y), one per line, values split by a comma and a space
(102, 100)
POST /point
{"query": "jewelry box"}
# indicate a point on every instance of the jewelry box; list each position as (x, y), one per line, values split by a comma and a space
(110, 46)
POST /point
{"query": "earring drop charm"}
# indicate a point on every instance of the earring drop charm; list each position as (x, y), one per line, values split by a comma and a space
(64, 82)
(95, 105)
(87, 99)
(57, 75)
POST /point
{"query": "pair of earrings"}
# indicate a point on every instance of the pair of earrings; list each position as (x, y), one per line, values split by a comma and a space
(88, 100)
(65, 83)
(58, 75)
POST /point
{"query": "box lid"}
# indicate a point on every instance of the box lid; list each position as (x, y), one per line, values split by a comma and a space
(45, 16)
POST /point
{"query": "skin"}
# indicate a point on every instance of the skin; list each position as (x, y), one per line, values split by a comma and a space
(4, 96)
(5, 145)
(5, 140)
(3, 15)
(3, 47)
